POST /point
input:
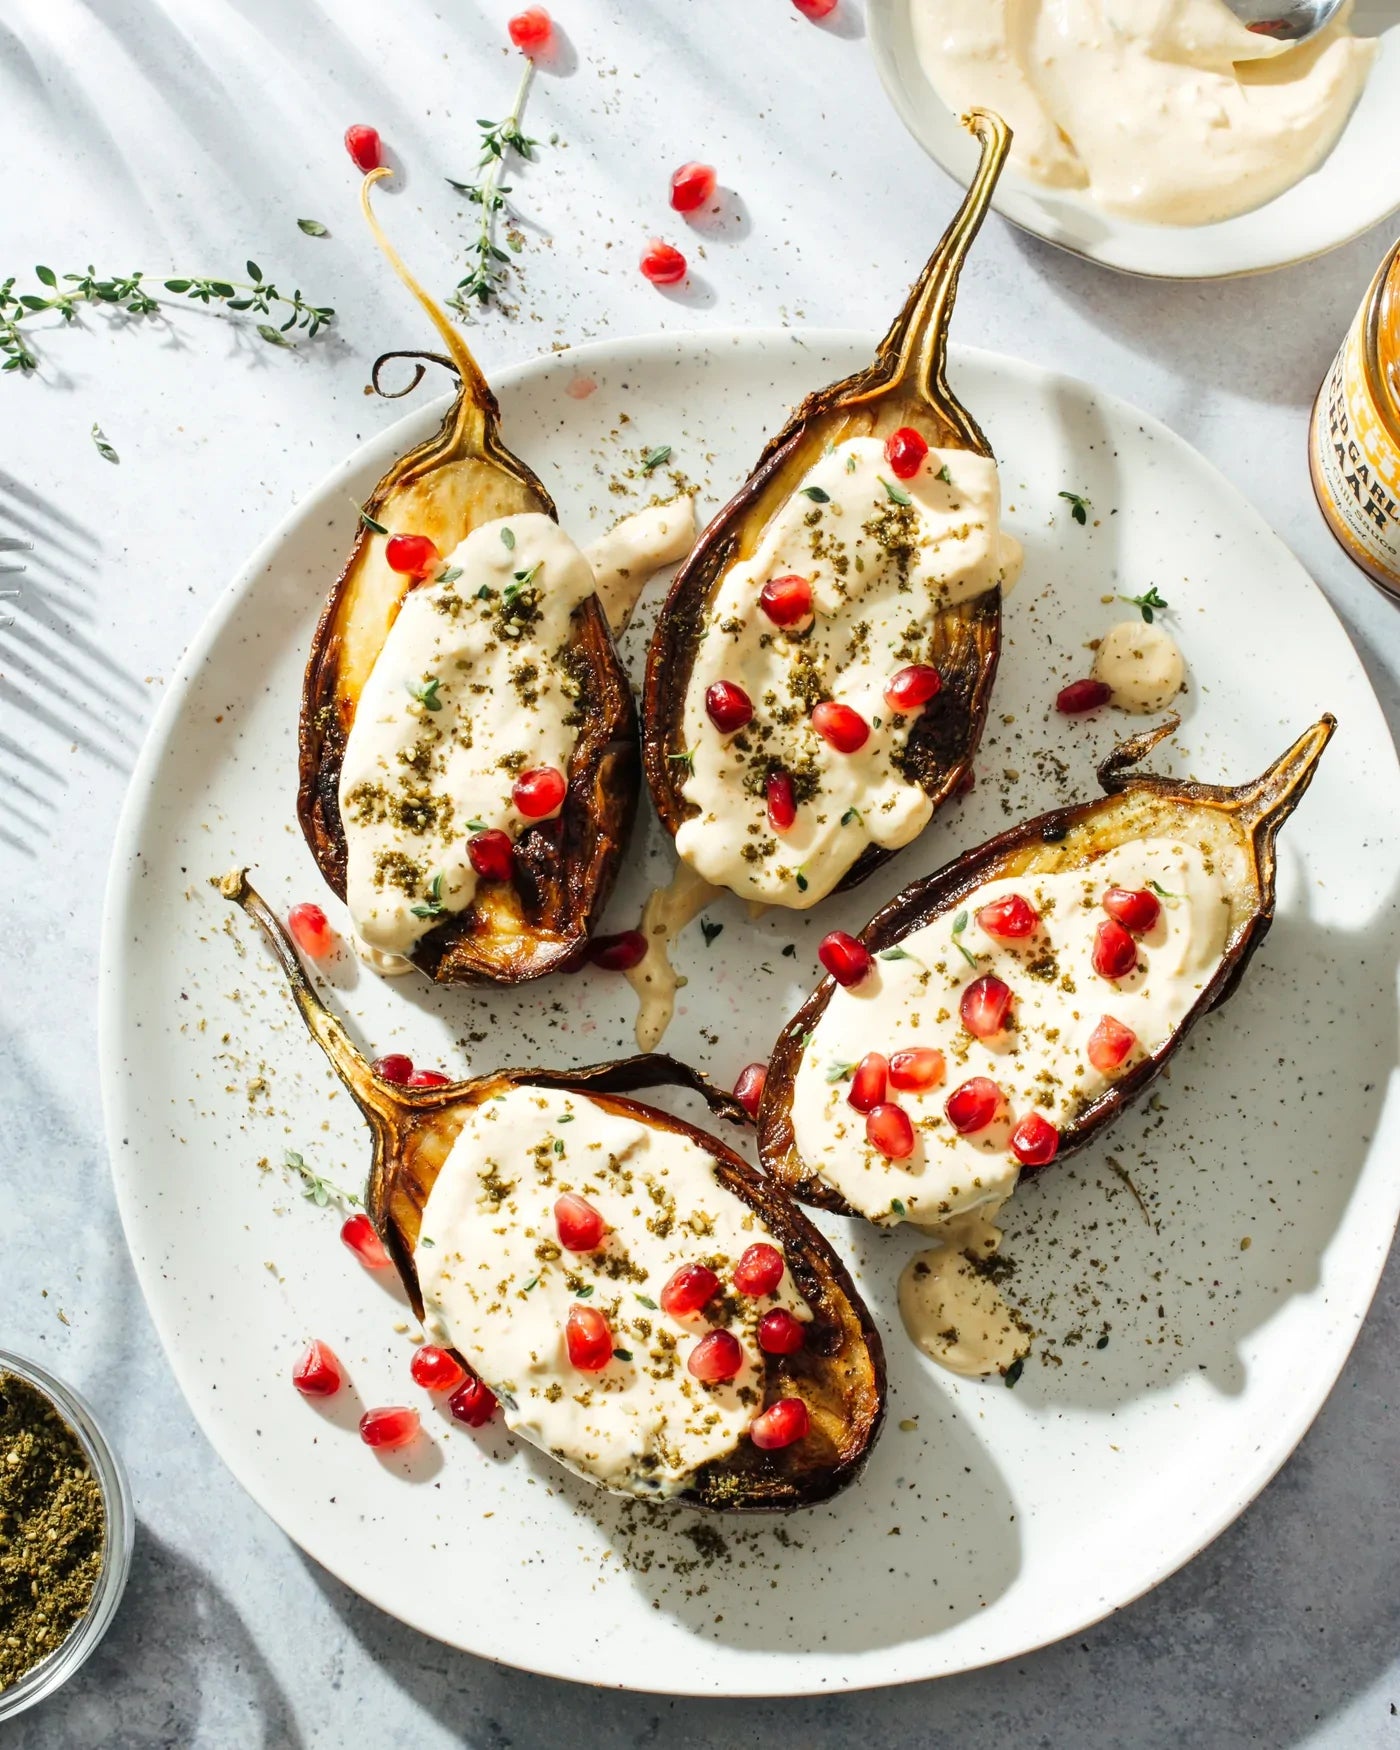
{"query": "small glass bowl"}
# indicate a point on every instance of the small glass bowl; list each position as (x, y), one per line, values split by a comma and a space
(60, 1664)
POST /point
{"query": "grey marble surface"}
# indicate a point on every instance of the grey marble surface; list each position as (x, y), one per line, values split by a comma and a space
(184, 135)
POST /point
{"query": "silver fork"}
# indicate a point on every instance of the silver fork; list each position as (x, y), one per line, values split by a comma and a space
(10, 544)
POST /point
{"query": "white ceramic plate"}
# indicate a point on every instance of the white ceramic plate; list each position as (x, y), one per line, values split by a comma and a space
(989, 1520)
(1354, 188)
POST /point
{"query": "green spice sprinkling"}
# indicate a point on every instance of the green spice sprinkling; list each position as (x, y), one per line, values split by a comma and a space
(816, 494)
(654, 458)
(508, 540)
(959, 925)
(104, 449)
(896, 494)
(1147, 604)
(709, 931)
(432, 906)
(1079, 510)
(427, 694)
(312, 228)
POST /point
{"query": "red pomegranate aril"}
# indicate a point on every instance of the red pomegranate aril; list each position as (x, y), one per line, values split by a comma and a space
(1109, 1044)
(427, 1078)
(691, 186)
(363, 145)
(748, 1089)
(916, 1071)
(728, 707)
(840, 726)
(311, 930)
(781, 1424)
(787, 601)
(905, 450)
(889, 1129)
(539, 791)
(1010, 918)
(716, 1357)
(846, 959)
(868, 1082)
(815, 8)
(391, 1426)
(759, 1270)
(662, 264)
(1080, 696)
(579, 1224)
(690, 1288)
(414, 555)
(782, 801)
(619, 953)
(473, 1403)
(1135, 908)
(394, 1068)
(1115, 951)
(985, 1005)
(435, 1370)
(358, 1233)
(910, 689)
(588, 1339)
(780, 1333)
(973, 1105)
(1035, 1141)
(317, 1373)
(492, 854)
(531, 30)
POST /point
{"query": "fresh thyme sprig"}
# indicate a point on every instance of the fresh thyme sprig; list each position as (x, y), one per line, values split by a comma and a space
(486, 276)
(317, 1190)
(1147, 603)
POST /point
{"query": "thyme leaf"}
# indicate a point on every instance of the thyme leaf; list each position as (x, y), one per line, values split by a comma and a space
(709, 931)
(654, 458)
(838, 1071)
(895, 953)
(432, 906)
(427, 694)
(1147, 604)
(1079, 507)
(104, 449)
(1162, 892)
(508, 540)
(896, 494)
(816, 494)
(485, 277)
(945, 476)
(959, 925)
(312, 228)
(370, 522)
(315, 1189)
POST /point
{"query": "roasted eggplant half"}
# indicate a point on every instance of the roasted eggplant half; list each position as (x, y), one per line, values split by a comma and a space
(819, 676)
(997, 1015)
(648, 1307)
(468, 742)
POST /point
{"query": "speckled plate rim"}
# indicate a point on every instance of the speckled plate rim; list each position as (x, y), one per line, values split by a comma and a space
(1275, 1447)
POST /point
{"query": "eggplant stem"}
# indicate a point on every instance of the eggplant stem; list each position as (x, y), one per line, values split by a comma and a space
(1273, 796)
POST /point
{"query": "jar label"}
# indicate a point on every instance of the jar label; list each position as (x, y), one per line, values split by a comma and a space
(1356, 465)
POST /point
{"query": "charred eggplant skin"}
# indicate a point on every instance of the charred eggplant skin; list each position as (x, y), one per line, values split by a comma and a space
(1133, 806)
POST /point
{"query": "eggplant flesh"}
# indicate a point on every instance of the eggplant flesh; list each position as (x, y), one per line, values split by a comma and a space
(931, 751)
(1231, 832)
(839, 1373)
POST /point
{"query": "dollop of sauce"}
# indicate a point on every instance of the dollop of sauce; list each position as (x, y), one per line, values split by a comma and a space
(666, 913)
(634, 550)
(911, 998)
(1167, 111)
(378, 960)
(497, 1286)
(1141, 665)
(951, 1307)
(884, 557)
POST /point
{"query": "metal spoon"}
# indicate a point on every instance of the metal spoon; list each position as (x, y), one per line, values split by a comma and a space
(1290, 21)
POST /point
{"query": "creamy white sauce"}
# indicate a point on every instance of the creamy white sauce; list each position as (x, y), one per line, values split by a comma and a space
(1168, 111)
(666, 913)
(497, 1288)
(880, 573)
(953, 1310)
(1142, 665)
(379, 960)
(1039, 1063)
(634, 550)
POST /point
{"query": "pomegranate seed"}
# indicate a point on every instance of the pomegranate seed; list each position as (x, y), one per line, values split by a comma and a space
(473, 1403)
(358, 1233)
(905, 450)
(364, 147)
(580, 388)
(915, 1072)
(1009, 919)
(619, 953)
(435, 1370)
(748, 1089)
(395, 1068)
(1109, 1044)
(846, 959)
(782, 801)
(1082, 696)
(909, 689)
(539, 792)
(973, 1105)
(588, 1338)
(759, 1270)
(415, 555)
(428, 1078)
(1115, 951)
(310, 930)
(492, 854)
(579, 1224)
(531, 30)
(692, 1287)
(786, 1421)
(392, 1426)
(787, 601)
(1136, 909)
(779, 1333)
(985, 1005)
(317, 1374)
(840, 726)
(728, 707)
(868, 1083)
(691, 186)
(662, 264)
(717, 1356)
(1035, 1141)
(815, 8)
(888, 1128)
